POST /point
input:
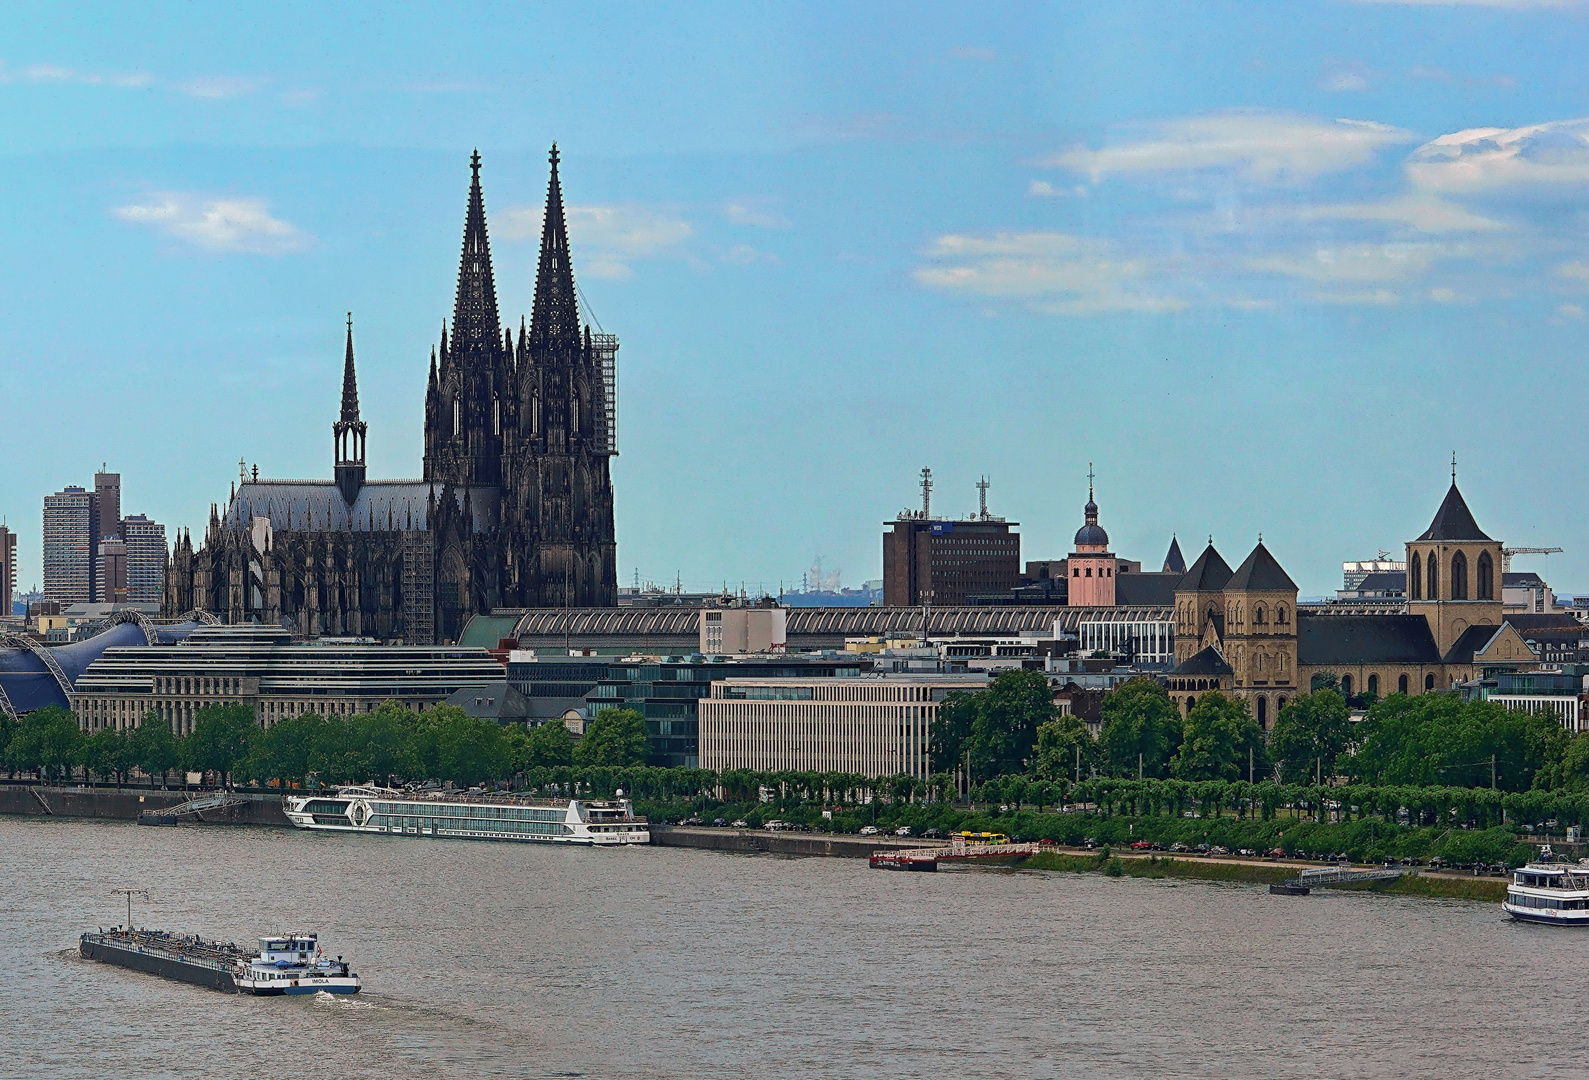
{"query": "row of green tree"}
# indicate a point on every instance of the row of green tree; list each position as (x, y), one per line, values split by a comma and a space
(390, 744)
(1013, 729)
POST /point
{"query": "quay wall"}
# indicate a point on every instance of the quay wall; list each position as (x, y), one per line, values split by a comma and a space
(35, 800)
(751, 841)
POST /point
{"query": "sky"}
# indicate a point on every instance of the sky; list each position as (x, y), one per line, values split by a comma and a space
(1266, 266)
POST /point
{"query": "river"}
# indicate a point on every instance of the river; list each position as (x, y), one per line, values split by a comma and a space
(508, 960)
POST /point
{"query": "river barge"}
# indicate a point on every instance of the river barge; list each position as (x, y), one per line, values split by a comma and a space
(286, 964)
(470, 816)
(1555, 893)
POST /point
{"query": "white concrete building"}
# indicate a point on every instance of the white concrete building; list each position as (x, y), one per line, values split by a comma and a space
(873, 726)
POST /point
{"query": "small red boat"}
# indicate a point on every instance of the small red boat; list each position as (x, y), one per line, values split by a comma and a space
(902, 860)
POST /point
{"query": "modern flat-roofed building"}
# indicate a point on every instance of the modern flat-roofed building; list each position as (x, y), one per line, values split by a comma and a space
(665, 691)
(146, 559)
(870, 725)
(262, 667)
(8, 569)
(71, 534)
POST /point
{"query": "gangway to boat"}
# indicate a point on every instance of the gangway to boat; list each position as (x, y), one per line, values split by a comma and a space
(192, 808)
(929, 858)
(1332, 875)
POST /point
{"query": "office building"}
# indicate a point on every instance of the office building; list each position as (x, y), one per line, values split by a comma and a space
(665, 691)
(744, 630)
(868, 725)
(146, 559)
(71, 540)
(111, 582)
(263, 668)
(8, 569)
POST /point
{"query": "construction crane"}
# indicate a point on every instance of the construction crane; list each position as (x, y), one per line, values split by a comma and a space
(1507, 553)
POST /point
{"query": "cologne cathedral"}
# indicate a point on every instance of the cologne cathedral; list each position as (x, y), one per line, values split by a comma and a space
(514, 509)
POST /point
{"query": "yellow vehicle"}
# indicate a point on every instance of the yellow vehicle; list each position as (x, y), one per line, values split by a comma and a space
(981, 837)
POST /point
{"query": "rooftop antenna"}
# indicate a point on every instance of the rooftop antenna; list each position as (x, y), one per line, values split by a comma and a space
(1453, 468)
(129, 894)
(926, 493)
(982, 499)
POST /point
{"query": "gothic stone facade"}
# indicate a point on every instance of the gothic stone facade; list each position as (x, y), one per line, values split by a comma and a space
(515, 507)
(1240, 631)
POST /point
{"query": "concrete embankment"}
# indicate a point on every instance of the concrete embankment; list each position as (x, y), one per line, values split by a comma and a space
(752, 841)
(34, 800)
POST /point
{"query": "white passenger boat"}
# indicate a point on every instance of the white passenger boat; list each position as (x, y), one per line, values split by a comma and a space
(463, 815)
(1550, 892)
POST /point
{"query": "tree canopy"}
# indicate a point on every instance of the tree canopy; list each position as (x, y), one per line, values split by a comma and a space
(614, 737)
(1312, 731)
(1139, 719)
(1221, 741)
(992, 730)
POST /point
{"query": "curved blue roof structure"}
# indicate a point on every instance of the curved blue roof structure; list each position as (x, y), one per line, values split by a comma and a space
(29, 684)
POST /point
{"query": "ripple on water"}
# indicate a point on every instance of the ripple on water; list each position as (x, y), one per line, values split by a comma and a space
(497, 960)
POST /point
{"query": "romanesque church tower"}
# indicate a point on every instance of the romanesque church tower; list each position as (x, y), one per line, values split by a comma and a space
(1453, 573)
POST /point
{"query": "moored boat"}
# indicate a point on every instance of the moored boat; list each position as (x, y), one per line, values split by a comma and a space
(470, 816)
(1548, 891)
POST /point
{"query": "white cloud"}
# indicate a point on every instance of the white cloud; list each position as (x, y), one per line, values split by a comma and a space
(1421, 213)
(1488, 159)
(1443, 296)
(1261, 145)
(225, 224)
(47, 73)
(216, 87)
(1570, 311)
(1360, 263)
(1042, 189)
(1346, 75)
(1054, 272)
(1372, 296)
(606, 238)
(1577, 270)
(755, 213)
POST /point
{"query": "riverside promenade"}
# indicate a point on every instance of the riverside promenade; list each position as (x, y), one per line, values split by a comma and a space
(37, 800)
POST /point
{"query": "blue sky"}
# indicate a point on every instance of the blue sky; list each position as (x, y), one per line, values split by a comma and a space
(1266, 264)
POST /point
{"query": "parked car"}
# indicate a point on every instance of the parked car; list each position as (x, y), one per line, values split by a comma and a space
(1201, 849)
(691, 821)
(740, 823)
(903, 830)
(1141, 845)
(933, 834)
(775, 825)
(1217, 850)
(1178, 846)
(1246, 852)
(719, 822)
(1277, 853)
(869, 830)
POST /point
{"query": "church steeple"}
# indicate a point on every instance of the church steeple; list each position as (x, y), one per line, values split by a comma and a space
(554, 320)
(475, 324)
(347, 434)
(350, 385)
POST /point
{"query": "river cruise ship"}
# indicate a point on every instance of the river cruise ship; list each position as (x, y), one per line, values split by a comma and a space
(288, 964)
(1550, 892)
(468, 816)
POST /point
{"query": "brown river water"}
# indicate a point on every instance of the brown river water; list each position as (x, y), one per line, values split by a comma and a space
(516, 960)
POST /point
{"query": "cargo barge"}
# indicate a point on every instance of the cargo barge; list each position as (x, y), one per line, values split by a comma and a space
(288, 964)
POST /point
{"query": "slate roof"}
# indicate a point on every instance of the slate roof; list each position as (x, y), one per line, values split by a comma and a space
(1453, 521)
(1146, 590)
(1261, 573)
(1384, 581)
(1527, 622)
(1174, 561)
(493, 701)
(318, 504)
(1208, 574)
(1472, 640)
(1349, 640)
(1524, 580)
(1206, 663)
